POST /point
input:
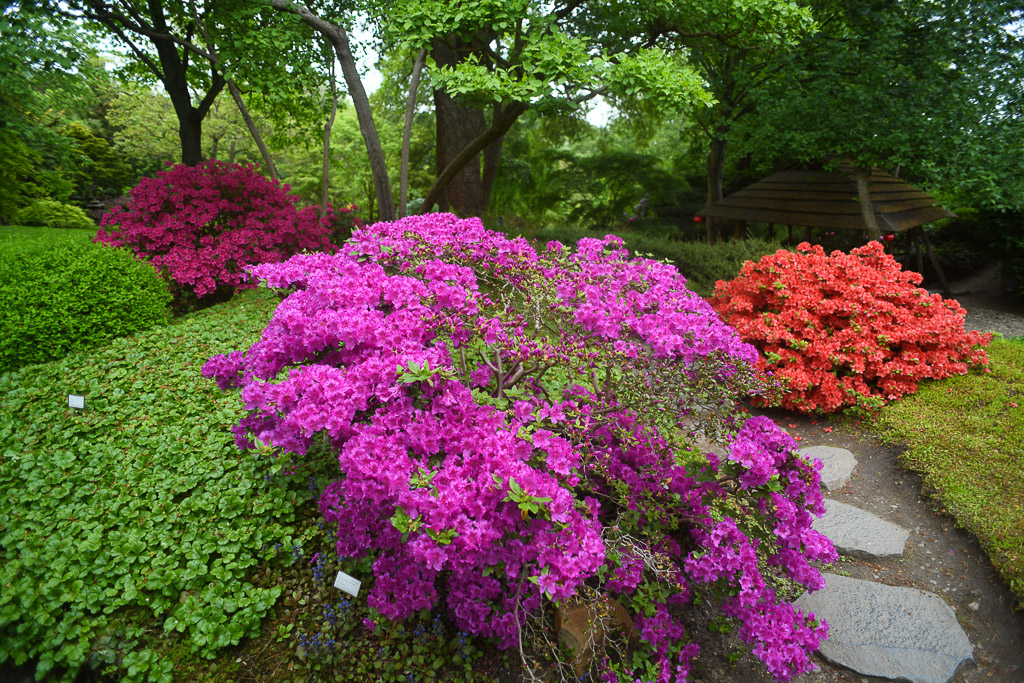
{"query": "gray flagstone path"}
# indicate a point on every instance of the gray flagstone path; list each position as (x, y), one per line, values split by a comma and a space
(903, 634)
(888, 631)
(860, 534)
(839, 464)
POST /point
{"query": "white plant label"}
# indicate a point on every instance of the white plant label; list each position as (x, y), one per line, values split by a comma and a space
(76, 401)
(348, 584)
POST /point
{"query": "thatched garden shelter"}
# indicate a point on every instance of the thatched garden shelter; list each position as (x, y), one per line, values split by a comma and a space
(832, 199)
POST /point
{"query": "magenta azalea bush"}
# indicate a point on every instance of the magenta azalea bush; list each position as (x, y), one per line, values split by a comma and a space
(202, 225)
(517, 427)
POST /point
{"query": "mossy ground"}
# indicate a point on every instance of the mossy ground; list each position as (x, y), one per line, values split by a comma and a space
(965, 436)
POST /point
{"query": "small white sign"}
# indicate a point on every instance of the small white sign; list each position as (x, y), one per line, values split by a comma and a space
(76, 401)
(348, 584)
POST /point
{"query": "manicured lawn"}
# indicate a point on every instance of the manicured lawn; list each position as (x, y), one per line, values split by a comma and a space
(965, 436)
(14, 235)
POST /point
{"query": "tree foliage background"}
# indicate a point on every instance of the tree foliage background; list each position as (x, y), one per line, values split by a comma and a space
(707, 95)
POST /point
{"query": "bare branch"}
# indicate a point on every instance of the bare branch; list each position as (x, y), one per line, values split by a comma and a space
(109, 19)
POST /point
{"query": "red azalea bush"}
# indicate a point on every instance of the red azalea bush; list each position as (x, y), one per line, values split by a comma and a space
(846, 329)
(202, 225)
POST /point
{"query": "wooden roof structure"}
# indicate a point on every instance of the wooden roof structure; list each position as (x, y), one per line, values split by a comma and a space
(828, 199)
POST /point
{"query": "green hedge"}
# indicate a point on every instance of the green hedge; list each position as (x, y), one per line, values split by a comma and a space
(53, 214)
(55, 299)
(701, 263)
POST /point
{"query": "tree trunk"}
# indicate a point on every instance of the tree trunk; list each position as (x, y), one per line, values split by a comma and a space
(364, 114)
(190, 133)
(457, 126)
(236, 95)
(410, 113)
(268, 163)
(715, 169)
(231, 153)
(867, 209)
(173, 75)
(326, 167)
(492, 154)
(491, 135)
(170, 66)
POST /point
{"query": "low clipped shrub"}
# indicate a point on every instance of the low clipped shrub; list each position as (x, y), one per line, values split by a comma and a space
(702, 264)
(58, 298)
(519, 428)
(54, 214)
(705, 264)
(202, 225)
(845, 330)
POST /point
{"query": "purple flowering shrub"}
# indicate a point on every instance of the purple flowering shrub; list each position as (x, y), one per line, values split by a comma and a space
(516, 426)
(202, 225)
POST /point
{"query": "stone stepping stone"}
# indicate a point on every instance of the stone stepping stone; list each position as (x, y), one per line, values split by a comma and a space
(897, 633)
(838, 464)
(858, 533)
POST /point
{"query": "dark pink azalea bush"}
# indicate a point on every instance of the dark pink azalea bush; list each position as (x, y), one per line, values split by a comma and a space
(846, 330)
(202, 225)
(517, 426)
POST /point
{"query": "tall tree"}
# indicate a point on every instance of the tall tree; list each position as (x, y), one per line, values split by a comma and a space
(216, 62)
(162, 38)
(914, 85)
(283, 75)
(492, 62)
(731, 44)
(337, 35)
(410, 116)
(40, 58)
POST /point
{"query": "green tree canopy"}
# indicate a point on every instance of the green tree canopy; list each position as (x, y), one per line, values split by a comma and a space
(915, 84)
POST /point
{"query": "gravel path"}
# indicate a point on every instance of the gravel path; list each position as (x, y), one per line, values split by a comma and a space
(990, 308)
(988, 320)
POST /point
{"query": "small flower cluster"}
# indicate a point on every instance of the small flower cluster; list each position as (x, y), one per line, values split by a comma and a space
(343, 220)
(845, 330)
(202, 225)
(512, 422)
(317, 644)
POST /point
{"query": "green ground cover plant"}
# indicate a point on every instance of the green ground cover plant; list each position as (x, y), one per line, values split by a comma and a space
(63, 294)
(130, 531)
(964, 436)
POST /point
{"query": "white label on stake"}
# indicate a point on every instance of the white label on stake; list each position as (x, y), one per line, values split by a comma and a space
(348, 584)
(76, 401)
